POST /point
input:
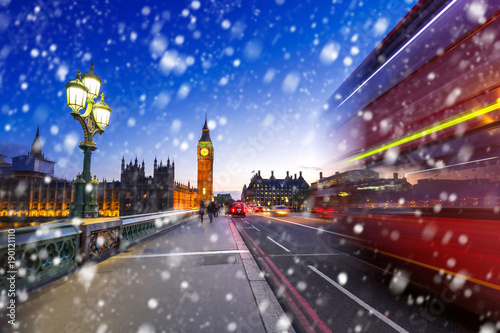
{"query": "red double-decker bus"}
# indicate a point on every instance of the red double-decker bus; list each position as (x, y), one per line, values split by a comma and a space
(415, 170)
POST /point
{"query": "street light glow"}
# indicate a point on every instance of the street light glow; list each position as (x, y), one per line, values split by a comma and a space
(76, 93)
(92, 81)
(101, 113)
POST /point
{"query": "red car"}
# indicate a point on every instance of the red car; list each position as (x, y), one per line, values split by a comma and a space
(238, 208)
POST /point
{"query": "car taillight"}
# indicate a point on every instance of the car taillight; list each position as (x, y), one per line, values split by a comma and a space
(232, 209)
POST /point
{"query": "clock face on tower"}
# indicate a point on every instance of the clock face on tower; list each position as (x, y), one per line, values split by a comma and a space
(204, 152)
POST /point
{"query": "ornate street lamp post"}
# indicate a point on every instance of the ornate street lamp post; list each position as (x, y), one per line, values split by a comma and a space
(80, 91)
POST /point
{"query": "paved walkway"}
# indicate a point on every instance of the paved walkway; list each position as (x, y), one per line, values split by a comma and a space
(189, 279)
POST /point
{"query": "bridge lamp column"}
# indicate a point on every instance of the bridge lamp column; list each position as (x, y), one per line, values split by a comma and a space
(80, 95)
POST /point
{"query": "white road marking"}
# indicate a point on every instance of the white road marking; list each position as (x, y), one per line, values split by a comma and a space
(322, 230)
(178, 254)
(275, 242)
(359, 301)
(255, 228)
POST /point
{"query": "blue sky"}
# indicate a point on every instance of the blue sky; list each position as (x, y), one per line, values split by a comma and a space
(261, 70)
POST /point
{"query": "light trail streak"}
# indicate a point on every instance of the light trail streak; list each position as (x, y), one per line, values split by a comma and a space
(400, 50)
(449, 166)
(439, 126)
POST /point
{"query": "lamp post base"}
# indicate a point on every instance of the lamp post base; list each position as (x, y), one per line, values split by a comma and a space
(91, 211)
(90, 214)
(92, 208)
(78, 207)
(78, 204)
(84, 203)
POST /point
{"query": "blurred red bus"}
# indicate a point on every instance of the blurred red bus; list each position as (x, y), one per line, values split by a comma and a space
(415, 174)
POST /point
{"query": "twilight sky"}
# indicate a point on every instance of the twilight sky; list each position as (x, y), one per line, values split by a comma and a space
(261, 70)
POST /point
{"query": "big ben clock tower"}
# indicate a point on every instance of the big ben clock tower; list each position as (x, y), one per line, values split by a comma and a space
(205, 165)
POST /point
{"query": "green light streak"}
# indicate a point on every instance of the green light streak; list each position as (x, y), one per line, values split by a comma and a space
(439, 126)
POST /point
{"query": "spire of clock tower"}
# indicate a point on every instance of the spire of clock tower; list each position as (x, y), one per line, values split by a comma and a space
(205, 136)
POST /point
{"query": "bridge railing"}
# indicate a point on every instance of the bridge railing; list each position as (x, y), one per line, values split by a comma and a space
(139, 226)
(36, 255)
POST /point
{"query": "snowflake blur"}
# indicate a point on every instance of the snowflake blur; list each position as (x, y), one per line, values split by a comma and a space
(247, 63)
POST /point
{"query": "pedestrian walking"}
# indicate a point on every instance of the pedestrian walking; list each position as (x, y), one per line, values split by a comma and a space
(201, 211)
(216, 210)
(211, 211)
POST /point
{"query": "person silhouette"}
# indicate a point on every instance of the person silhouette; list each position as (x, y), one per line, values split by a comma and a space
(211, 211)
(202, 211)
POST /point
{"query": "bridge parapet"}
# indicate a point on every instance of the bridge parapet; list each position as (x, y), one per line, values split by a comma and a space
(136, 227)
(46, 252)
(100, 238)
(41, 253)
(106, 236)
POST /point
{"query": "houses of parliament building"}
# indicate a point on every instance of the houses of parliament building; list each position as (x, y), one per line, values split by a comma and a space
(28, 186)
(140, 194)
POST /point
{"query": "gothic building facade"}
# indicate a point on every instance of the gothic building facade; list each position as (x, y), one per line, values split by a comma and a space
(141, 194)
(185, 196)
(273, 191)
(28, 187)
(34, 164)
